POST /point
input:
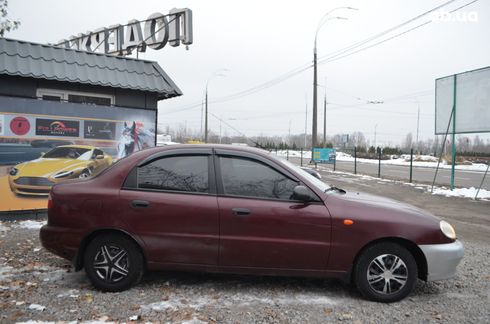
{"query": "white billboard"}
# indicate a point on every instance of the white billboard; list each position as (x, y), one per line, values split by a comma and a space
(472, 102)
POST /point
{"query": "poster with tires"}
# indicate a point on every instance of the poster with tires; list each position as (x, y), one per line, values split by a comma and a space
(45, 142)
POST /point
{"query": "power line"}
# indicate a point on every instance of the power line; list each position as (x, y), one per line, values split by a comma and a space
(337, 57)
(385, 32)
(334, 56)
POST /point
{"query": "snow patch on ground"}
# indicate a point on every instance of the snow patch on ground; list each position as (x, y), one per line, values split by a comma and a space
(71, 322)
(285, 153)
(483, 194)
(404, 159)
(37, 307)
(31, 224)
(194, 320)
(239, 299)
(38, 322)
(3, 228)
(462, 192)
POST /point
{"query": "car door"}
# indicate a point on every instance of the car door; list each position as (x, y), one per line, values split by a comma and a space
(260, 225)
(172, 206)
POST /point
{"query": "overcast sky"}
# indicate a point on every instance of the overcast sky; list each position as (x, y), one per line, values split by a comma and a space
(258, 41)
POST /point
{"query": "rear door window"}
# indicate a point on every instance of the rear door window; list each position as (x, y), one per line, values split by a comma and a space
(187, 173)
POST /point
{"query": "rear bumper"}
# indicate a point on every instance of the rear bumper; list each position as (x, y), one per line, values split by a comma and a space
(442, 259)
(60, 241)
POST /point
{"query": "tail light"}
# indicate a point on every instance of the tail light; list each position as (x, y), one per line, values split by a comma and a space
(50, 202)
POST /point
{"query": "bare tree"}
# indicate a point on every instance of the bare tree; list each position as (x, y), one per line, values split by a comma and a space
(6, 24)
(407, 144)
(357, 139)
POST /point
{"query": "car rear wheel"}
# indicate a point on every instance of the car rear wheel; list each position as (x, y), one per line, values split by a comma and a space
(113, 262)
(385, 272)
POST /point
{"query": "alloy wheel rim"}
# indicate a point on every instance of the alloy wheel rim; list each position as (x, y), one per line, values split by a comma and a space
(387, 274)
(111, 263)
(84, 175)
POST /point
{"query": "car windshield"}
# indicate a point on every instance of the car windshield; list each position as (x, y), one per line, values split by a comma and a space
(315, 181)
(67, 153)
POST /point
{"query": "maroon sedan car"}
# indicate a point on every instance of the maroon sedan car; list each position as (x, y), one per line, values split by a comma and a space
(240, 210)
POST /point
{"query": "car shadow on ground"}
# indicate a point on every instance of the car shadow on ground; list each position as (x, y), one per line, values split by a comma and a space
(231, 283)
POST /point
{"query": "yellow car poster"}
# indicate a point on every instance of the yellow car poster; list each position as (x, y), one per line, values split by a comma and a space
(43, 143)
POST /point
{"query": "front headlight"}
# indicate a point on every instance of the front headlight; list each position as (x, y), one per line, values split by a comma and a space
(13, 171)
(448, 230)
(62, 174)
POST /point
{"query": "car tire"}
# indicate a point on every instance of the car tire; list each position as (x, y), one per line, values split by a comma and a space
(85, 174)
(385, 272)
(113, 262)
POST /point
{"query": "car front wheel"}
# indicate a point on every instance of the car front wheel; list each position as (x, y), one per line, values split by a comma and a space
(85, 174)
(385, 272)
(113, 262)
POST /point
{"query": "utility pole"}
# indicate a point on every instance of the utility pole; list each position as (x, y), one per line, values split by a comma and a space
(418, 121)
(324, 19)
(202, 112)
(325, 119)
(314, 126)
(215, 74)
(375, 129)
(306, 118)
(206, 115)
(220, 120)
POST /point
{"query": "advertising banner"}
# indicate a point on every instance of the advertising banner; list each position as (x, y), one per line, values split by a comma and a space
(324, 155)
(472, 109)
(46, 142)
(57, 127)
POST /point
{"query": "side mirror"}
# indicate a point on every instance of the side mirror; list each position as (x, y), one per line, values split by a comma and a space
(99, 157)
(302, 193)
(42, 154)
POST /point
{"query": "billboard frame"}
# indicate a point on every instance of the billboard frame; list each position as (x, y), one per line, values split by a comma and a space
(453, 119)
(435, 100)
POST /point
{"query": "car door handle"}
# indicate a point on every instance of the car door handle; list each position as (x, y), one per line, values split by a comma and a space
(241, 211)
(140, 203)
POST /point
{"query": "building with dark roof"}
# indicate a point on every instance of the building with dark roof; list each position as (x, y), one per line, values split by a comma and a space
(26, 67)
(100, 105)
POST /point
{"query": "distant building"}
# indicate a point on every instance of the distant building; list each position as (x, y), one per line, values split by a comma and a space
(163, 140)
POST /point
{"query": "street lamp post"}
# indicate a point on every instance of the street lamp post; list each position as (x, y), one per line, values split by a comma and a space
(215, 74)
(324, 19)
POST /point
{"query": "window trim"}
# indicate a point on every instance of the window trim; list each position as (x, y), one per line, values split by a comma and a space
(65, 93)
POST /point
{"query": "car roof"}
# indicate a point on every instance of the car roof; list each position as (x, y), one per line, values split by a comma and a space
(147, 152)
(229, 147)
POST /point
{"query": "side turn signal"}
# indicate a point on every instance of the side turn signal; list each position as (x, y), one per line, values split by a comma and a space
(348, 222)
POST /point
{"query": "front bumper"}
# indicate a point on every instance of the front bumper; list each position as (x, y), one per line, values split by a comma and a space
(29, 189)
(442, 259)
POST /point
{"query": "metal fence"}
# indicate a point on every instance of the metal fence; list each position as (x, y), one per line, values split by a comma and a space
(408, 168)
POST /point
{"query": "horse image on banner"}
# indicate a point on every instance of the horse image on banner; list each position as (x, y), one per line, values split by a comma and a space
(134, 138)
